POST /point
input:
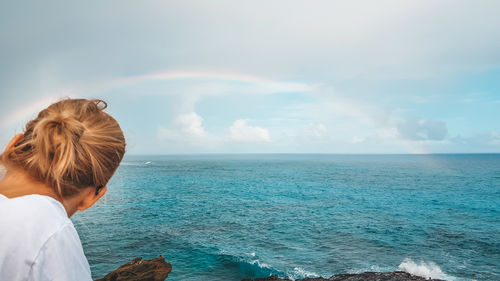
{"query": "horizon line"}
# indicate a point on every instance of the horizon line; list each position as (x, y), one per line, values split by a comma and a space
(305, 153)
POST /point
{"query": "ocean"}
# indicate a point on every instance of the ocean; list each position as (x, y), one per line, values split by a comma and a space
(229, 217)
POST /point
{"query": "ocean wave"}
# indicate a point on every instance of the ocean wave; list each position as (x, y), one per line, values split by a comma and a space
(424, 269)
(250, 264)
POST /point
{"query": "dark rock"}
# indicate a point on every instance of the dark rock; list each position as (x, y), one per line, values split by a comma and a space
(367, 276)
(140, 270)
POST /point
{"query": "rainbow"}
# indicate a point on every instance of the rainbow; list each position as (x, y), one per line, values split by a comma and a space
(27, 111)
(22, 114)
(214, 76)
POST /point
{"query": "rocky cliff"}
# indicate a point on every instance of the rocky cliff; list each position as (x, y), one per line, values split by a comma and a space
(157, 270)
(140, 270)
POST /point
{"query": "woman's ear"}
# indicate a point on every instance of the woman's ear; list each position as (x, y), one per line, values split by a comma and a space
(11, 144)
(90, 197)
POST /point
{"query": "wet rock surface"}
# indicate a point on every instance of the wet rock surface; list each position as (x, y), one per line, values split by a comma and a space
(367, 276)
(140, 270)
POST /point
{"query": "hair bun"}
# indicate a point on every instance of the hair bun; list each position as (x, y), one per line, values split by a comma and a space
(62, 123)
(71, 145)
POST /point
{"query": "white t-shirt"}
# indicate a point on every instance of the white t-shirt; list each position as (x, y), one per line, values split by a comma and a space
(38, 241)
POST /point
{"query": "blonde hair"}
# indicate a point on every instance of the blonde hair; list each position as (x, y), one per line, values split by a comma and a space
(70, 145)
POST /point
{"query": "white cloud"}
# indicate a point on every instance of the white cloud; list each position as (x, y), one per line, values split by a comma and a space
(186, 127)
(191, 124)
(315, 130)
(484, 142)
(242, 132)
(413, 129)
(494, 138)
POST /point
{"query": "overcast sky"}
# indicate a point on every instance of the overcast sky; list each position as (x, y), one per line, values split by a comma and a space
(263, 76)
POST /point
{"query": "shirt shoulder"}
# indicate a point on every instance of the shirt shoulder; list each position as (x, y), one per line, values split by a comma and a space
(44, 212)
(33, 227)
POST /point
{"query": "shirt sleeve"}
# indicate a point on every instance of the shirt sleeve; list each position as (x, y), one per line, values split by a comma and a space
(61, 258)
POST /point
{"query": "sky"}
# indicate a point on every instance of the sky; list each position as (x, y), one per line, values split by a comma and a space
(184, 77)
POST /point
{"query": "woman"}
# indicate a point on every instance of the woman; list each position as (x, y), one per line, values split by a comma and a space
(60, 165)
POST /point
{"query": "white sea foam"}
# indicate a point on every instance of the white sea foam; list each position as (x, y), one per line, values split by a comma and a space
(302, 273)
(424, 269)
(260, 264)
(372, 268)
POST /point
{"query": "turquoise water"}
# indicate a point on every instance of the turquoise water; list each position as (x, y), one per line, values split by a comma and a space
(228, 217)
